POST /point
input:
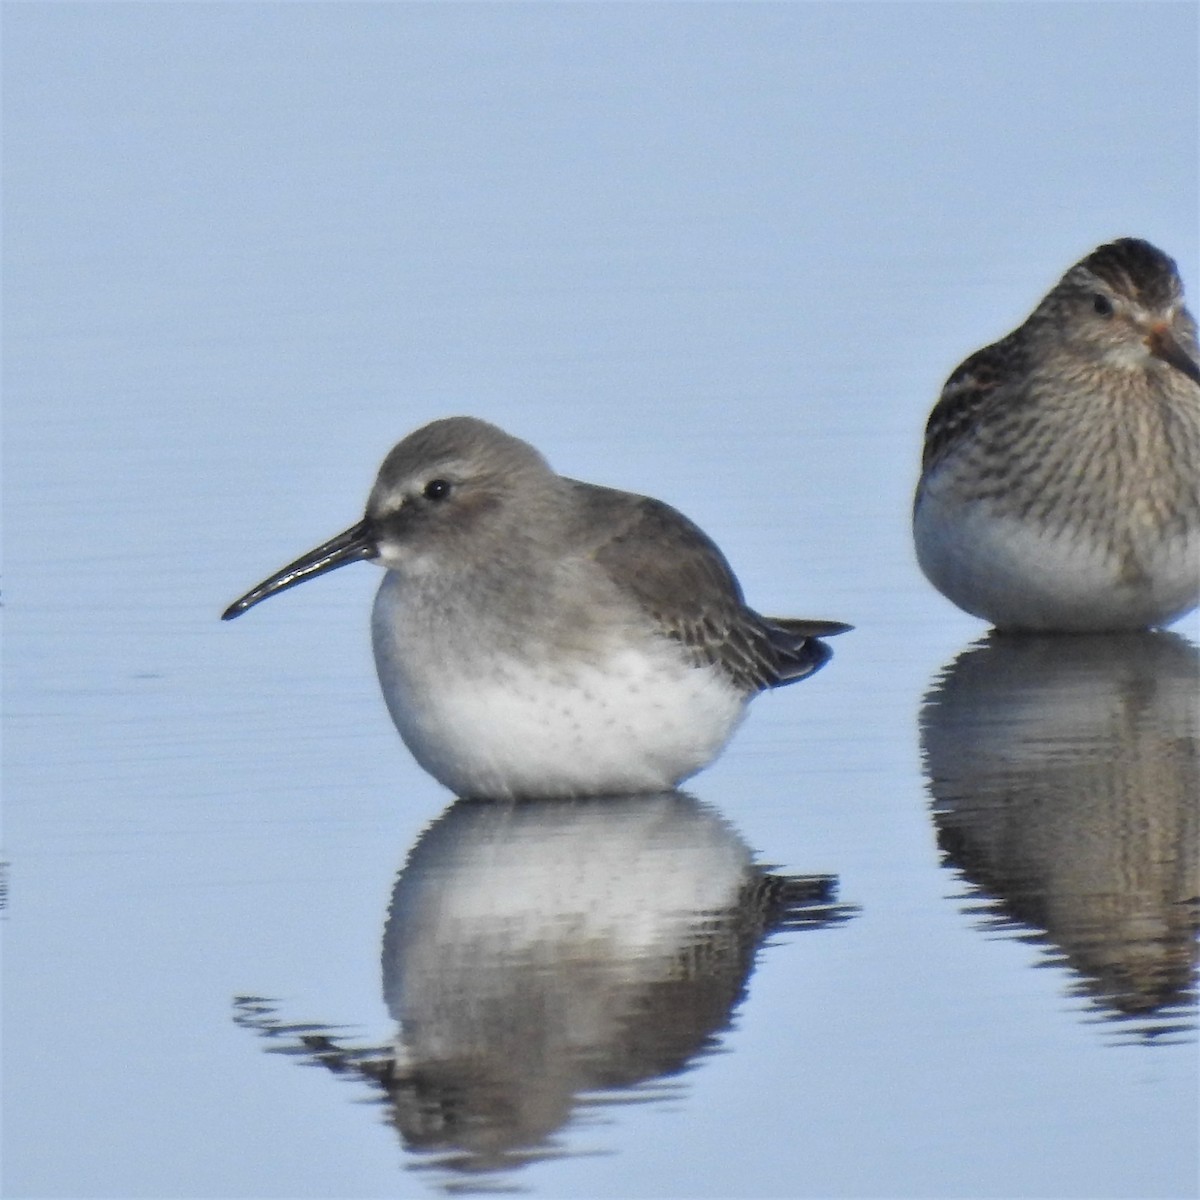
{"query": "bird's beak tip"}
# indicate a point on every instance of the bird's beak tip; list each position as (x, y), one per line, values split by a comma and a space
(1163, 344)
(353, 544)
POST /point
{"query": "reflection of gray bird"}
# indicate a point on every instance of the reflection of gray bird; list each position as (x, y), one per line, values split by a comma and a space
(538, 953)
(1066, 784)
(1060, 485)
(536, 636)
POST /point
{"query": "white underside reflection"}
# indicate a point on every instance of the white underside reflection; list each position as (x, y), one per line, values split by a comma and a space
(547, 956)
(1066, 789)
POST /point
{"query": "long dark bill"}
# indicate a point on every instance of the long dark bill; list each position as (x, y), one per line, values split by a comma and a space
(355, 543)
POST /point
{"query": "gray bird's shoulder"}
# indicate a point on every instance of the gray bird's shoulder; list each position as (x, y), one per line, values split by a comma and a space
(678, 576)
(654, 551)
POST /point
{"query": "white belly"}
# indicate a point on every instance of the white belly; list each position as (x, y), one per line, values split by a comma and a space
(1018, 576)
(486, 723)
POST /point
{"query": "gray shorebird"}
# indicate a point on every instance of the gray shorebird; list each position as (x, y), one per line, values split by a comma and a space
(1060, 483)
(537, 636)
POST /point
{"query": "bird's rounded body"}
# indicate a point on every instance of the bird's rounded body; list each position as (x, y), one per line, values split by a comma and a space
(1060, 489)
(622, 714)
(1034, 577)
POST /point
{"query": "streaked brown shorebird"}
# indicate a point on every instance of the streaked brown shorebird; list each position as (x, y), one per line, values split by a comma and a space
(1060, 484)
(538, 636)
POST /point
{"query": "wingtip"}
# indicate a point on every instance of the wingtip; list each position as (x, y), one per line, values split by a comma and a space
(833, 628)
(810, 627)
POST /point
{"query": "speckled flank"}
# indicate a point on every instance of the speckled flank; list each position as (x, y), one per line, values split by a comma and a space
(640, 718)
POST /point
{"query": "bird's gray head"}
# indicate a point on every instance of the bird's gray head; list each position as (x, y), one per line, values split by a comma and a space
(449, 483)
(1124, 303)
(446, 490)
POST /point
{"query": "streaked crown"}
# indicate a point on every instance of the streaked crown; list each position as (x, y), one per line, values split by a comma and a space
(1133, 268)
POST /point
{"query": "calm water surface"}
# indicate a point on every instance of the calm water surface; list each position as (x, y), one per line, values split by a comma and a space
(927, 929)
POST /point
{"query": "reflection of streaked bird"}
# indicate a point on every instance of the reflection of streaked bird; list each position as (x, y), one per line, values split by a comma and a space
(1065, 784)
(538, 954)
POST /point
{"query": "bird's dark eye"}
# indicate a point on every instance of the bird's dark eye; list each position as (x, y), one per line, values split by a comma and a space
(436, 489)
(1102, 305)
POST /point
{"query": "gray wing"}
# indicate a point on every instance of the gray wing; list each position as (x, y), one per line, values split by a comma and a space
(679, 577)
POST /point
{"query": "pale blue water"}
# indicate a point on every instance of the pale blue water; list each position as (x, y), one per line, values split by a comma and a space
(926, 929)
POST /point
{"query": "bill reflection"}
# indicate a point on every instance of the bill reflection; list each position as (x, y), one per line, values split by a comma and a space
(1065, 788)
(543, 960)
